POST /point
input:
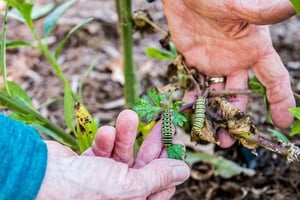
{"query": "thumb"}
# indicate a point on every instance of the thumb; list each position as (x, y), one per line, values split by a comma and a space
(261, 12)
(161, 174)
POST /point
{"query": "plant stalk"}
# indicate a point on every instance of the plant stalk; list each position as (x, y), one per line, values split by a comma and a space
(131, 84)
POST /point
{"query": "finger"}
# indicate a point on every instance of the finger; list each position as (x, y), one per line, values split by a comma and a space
(104, 141)
(274, 76)
(161, 174)
(238, 81)
(126, 127)
(151, 147)
(165, 194)
(261, 12)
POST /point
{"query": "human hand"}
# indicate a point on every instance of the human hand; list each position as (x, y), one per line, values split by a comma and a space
(108, 169)
(227, 38)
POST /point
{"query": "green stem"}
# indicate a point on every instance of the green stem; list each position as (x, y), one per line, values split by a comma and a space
(47, 53)
(131, 84)
(11, 103)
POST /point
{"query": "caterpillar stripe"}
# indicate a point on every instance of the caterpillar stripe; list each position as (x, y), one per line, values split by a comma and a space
(199, 114)
(166, 128)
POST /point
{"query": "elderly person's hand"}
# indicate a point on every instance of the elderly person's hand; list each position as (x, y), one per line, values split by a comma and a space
(108, 170)
(226, 39)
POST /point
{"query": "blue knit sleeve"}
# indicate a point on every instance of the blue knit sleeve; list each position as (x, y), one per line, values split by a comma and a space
(23, 161)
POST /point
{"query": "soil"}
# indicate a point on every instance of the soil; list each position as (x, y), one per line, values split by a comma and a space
(103, 95)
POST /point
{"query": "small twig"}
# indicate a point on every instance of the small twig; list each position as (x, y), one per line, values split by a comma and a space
(296, 95)
(228, 92)
(157, 28)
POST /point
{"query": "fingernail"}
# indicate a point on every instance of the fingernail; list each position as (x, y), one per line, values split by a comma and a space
(180, 173)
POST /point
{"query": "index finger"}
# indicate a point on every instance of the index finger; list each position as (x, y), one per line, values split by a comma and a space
(151, 147)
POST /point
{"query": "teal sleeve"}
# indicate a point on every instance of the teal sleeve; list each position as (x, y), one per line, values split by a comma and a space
(23, 162)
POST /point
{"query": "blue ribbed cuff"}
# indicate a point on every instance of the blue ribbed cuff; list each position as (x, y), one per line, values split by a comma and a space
(23, 162)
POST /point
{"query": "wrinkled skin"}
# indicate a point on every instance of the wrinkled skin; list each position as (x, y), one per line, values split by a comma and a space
(229, 37)
(108, 169)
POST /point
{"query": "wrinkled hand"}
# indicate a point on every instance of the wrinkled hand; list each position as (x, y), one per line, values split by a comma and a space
(108, 169)
(227, 38)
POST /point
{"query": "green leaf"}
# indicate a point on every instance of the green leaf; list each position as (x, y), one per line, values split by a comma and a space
(156, 98)
(296, 4)
(295, 111)
(148, 106)
(38, 12)
(69, 111)
(17, 93)
(178, 118)
(65, 39)
(52, 18)
(145, 109)
(23, 7)
(280, 136)
(256, 86)
(159, 54)
(176, 151)
(295, 129)
(25, 118)
(16, 43)
(15, 14)
(222, 167)
(39, 127)
(82, 79)
(173, 49)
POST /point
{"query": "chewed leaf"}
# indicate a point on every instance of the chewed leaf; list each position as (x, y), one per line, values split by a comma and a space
(176, 151)
(222, 167)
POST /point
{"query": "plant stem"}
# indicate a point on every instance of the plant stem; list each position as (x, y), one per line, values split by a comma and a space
(46, 53)
(11, 103)
(131, 84)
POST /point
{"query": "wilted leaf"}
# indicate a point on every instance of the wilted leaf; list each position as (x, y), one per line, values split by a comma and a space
(222, 167)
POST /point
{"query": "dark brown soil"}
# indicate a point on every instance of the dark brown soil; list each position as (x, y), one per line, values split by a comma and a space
(103, 91)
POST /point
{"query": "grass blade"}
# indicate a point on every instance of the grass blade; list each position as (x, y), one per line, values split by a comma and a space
(75, 28)
(3, 51)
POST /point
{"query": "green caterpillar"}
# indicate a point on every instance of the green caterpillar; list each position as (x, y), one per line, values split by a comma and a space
(199, 114)
(167, 128)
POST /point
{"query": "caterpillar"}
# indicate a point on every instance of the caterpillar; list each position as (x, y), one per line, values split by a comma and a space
(167, 128)
(199, 114)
